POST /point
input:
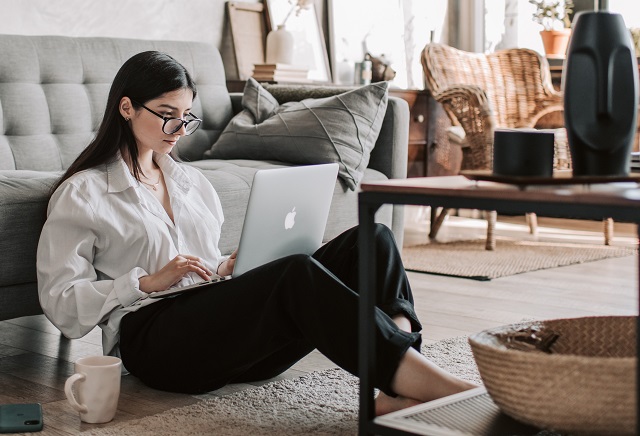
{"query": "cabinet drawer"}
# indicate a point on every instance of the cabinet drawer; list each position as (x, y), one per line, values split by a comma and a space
(418, 125)
(417, 162)
(418, 101)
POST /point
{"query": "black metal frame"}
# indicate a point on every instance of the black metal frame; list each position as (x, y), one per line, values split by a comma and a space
(369, 202)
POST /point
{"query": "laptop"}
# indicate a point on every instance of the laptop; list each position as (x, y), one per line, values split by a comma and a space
(468, 413)
(286, 214)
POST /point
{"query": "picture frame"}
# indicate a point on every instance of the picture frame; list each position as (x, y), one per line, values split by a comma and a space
(248, 33)
(309, 47)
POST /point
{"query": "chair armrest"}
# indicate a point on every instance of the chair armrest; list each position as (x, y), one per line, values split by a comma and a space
(470, 108)
(551, 106)
(551, 117)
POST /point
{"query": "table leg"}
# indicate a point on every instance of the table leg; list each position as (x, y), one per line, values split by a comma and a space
(366, 346)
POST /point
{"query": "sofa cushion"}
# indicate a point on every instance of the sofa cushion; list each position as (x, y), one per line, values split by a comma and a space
(341, 128)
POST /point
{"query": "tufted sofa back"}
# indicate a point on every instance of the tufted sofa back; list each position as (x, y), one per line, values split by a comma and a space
(53, 91)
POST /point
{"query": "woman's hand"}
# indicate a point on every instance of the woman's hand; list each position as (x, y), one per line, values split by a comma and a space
(173, 272)
(226, 267)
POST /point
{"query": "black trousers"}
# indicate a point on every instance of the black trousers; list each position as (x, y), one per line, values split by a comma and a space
(258, 325)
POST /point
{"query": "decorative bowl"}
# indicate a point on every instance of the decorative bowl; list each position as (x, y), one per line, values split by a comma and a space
(569, 375)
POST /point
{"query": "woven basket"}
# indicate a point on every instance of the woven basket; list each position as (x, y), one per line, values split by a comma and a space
(569, 375)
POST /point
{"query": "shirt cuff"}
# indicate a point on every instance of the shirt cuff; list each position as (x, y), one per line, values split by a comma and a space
(224, 259)
(127, 287)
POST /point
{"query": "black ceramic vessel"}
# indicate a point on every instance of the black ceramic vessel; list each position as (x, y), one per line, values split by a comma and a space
(600, 86)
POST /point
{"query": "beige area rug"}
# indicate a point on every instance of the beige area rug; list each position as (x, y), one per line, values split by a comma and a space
(320, 403)
(469, 259)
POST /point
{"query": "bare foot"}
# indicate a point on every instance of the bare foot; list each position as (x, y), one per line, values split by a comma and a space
(466, 385)
(456, 387)
(386, 404)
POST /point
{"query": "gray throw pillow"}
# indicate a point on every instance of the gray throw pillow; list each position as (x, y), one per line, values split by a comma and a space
(342, 128)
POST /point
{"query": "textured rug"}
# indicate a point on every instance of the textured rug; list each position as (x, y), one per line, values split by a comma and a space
(320, 403)
(469, 259)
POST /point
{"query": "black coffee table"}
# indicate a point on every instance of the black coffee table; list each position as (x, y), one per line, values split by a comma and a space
(620, 201)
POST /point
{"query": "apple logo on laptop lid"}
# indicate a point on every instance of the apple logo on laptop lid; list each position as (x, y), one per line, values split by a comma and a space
(290, 219)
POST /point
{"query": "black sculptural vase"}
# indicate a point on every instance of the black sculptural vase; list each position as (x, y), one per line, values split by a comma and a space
(600, 84)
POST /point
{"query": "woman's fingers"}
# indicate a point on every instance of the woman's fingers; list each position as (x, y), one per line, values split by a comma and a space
(173, 272)
(194, 264)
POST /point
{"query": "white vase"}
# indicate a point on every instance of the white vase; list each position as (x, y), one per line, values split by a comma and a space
(279, 46)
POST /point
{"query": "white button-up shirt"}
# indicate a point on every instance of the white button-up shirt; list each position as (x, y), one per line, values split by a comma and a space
(104, 231)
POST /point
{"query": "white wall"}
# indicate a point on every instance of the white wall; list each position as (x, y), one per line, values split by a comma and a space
(509, 23)
(630, 10)
(422, 19)
(194, 20)
(178, 20)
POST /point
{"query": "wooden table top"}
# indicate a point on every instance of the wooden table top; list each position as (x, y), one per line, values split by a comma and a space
(625, 194)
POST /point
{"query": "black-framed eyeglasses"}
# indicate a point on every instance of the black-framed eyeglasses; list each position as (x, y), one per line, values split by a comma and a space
(172, 124)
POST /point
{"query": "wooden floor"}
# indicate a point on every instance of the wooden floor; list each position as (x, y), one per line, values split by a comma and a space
(35, 359)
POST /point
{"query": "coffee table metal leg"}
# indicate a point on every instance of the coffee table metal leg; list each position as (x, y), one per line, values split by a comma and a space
(366, 347)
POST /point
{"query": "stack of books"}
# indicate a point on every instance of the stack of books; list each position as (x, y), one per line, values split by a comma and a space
(635, 161)
(280, 73)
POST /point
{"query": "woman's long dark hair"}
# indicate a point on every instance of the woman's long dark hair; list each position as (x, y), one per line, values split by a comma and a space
(143, 77)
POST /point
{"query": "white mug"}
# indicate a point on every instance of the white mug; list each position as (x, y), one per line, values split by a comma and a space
(97, 388)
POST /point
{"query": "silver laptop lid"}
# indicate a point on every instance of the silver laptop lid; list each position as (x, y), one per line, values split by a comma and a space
(287, 214)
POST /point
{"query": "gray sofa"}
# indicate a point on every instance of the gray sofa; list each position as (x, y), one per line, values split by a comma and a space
(52, 95)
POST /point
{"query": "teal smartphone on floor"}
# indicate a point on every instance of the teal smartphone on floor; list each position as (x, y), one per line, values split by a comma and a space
(20, 418)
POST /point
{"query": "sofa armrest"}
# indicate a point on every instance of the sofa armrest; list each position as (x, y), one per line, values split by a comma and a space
(236, 102)
(23, 208)
(390, 154)
(286, 93)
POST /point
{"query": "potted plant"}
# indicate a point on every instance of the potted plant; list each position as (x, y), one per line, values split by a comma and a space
(553, 15)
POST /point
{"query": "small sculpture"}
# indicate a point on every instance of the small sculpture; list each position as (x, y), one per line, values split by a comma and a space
(381, 69)
(600, 85)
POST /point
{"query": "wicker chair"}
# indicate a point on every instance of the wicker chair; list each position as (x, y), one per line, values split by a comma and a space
(481, 92)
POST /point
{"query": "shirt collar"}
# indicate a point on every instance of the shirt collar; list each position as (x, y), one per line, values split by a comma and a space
(121, 179)
(118, 176)
(172, 170)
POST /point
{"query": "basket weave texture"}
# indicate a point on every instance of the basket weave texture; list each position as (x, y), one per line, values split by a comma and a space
(586, 383)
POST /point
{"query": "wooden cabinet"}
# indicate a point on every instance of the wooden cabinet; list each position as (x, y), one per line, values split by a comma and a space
(430, 152)
(417, 164)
